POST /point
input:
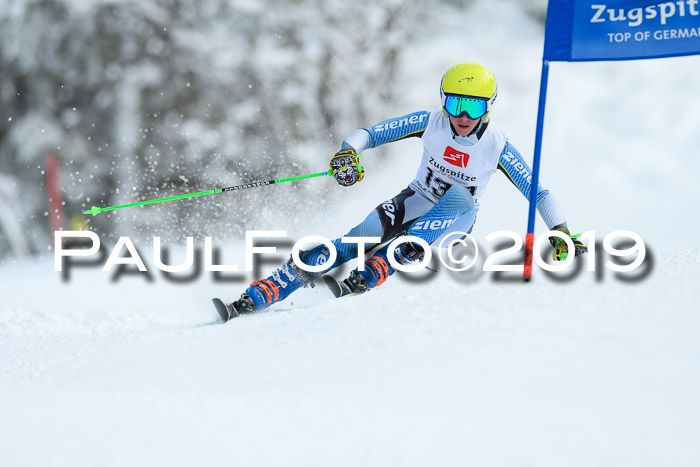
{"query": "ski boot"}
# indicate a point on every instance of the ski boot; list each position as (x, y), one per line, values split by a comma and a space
(263, 293)
(377, 270)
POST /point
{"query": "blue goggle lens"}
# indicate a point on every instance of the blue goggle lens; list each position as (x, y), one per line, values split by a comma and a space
(474, 107)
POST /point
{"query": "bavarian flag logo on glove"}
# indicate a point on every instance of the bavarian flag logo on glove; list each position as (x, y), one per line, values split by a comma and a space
(345, 167)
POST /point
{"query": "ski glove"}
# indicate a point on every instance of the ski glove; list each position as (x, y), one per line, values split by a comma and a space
(345, 167)
(561, 249)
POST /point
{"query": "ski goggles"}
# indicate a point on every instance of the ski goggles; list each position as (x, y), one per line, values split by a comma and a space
(474, 107)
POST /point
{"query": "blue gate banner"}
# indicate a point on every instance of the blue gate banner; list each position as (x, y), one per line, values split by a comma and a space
(588, 30)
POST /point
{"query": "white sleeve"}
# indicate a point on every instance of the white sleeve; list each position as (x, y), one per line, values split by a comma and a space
(358, 140)
(551, 213)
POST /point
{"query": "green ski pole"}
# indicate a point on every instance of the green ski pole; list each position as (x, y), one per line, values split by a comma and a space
(95, 210)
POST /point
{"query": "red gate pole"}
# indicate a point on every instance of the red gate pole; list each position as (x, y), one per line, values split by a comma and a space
(53, 184)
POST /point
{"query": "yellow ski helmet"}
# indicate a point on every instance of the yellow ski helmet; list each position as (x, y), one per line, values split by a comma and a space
(468, 88)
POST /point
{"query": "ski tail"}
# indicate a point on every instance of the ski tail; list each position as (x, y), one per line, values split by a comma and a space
(226, 312)
(333, 286)
(355, 284)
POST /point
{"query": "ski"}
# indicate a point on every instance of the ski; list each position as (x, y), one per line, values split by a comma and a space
(354, 285)
(226, 312)
(333, 286)
(340, 289)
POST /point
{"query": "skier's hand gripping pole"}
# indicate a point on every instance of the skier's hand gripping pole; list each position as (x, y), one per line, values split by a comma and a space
(351, 160)
(561, 249)
(346, 168)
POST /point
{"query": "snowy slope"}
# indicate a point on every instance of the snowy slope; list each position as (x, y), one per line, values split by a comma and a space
(450, 370)
(439, 372)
